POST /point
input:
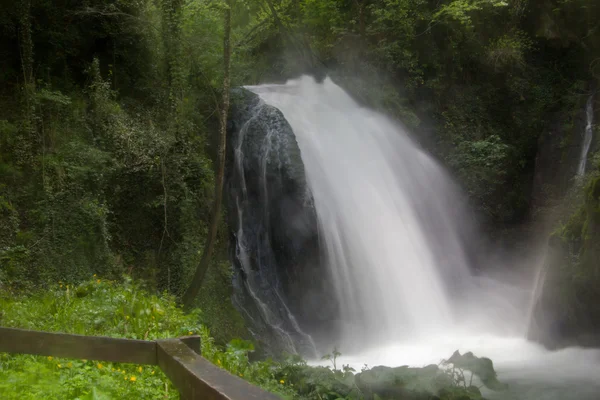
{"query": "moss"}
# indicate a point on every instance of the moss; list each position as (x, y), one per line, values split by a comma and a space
(580, 230)
(577, 279)
(218, 312)
(591, 232)
(593, 190)
(573, 229)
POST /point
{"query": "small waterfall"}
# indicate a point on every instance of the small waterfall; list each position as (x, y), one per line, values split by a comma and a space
(588, 135)
(542, 269)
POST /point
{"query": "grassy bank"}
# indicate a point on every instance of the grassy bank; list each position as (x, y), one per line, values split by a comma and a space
(128, 310)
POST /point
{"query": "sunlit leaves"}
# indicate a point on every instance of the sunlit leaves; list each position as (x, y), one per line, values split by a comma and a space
(462, 10)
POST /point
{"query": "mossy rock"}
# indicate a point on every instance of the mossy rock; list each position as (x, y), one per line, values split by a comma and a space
(427, 383)
(385, 379)
(481, 367)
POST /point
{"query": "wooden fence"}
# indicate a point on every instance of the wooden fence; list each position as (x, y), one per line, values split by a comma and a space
(180, 360)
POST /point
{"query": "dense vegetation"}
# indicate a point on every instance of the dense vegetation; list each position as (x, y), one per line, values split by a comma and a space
(105, 143)
(109, 113)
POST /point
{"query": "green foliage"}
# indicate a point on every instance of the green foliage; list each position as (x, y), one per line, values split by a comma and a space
(509, 51)
(106, 158)
(126, 309)
(376, 383)
(462, 10)
(218, 312)
(332, 357)
(325, 31)
(574, 271)
(396, 23)
(95, 307)
(482, 166)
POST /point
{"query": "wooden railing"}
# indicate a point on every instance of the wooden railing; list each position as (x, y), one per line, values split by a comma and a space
(180, 359)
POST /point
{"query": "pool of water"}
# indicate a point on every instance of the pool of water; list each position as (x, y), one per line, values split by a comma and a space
(531, 371)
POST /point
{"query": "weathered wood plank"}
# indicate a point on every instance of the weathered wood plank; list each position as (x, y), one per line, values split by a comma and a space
(193, 342)
(196, 378)
(77, 346)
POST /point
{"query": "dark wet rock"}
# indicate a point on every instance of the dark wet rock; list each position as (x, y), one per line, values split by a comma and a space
(481, 367)
(273, 230)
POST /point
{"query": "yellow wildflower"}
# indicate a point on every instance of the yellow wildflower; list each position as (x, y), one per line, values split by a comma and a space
(219, 362)
(98, 281)
(99, 366)
(59, 366)
(49, 358)
(140, 370)
(241, 374)
(282, 381)
(190, 333)
(152, 372)
(133, 379)
(94, 275)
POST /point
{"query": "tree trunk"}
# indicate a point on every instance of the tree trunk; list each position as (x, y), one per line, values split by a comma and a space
(196, 284)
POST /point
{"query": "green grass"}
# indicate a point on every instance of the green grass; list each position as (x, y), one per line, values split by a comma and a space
(95, 307)
(117, 309)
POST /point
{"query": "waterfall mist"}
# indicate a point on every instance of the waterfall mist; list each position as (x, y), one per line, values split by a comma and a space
(393, 225)
(394, 233)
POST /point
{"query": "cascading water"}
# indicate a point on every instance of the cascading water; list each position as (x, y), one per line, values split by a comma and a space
(392, 235)
(389, 217)
(588, 135)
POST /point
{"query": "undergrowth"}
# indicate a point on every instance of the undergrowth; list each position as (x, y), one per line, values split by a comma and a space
(126, 309)
(117, 309)
(95, 307)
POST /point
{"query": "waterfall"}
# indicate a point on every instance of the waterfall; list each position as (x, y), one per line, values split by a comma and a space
(393, 233)
(588, 135)
(390, 218)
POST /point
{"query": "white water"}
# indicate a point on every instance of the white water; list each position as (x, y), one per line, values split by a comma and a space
(588, 135)
(391, 220)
